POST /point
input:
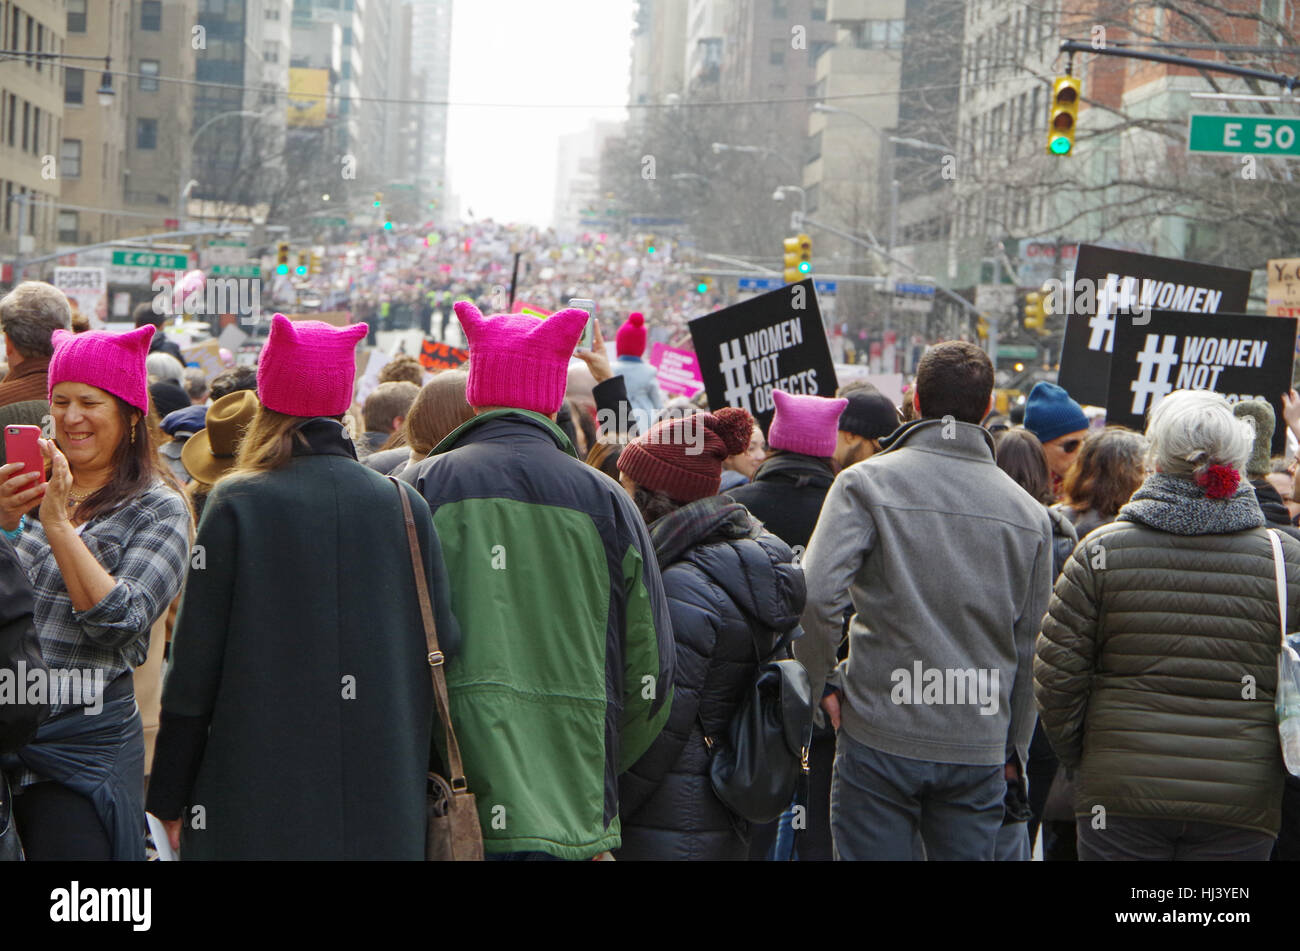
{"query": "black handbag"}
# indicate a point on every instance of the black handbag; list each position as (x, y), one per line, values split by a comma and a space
(756, 768)
(11, 848)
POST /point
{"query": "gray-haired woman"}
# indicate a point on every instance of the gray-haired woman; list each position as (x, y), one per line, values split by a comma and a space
(1157, 663)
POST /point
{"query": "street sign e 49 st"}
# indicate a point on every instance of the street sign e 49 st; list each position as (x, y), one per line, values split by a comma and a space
(1237, 134)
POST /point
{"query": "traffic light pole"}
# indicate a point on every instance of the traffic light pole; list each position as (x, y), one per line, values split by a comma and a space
(1287, 82)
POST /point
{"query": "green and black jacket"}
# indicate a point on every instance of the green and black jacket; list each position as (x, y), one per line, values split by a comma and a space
(566, 667)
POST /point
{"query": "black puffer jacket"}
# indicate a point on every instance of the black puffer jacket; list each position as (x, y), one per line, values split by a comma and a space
(731, 589)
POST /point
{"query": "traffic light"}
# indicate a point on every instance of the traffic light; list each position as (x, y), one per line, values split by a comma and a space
(982, 327)
(282, 258)
(650, 247)
(702, 287)
(388, 226)
(314, 265)
(379, 199)
(303, 259)
(798, 258)
(1035, 312)
(1064, 115)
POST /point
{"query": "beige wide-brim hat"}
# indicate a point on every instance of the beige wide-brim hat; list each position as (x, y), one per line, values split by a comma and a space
(210, 453)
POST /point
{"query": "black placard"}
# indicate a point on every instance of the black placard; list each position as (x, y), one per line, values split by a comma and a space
(1123, 283)
(1238, 355)
(775, 341)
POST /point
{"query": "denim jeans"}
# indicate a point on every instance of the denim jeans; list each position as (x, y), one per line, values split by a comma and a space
(891, 808)
(1164, 840)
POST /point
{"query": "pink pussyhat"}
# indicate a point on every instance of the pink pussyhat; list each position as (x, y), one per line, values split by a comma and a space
(519, 361)
(308, 367)
(113, 362)
(805, 424)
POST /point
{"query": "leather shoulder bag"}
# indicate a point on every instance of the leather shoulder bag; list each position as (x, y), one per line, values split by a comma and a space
(454, 834)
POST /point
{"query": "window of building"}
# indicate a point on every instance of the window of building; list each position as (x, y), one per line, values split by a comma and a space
(146, 133)
(777, 56)
(76, 17)
(779, 9)
(273, 12)
(814, 148)
(1036, 117)
(270, 52)
(815, 51)
(27, 120)
(68, 227)
(40, 44)
(878, 34)
(819, 9)
(148, 75)
(74, 86)
(70, 158)
(151, 15)
(36, 131)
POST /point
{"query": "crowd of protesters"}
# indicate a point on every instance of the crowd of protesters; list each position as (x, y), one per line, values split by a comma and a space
(229, 564)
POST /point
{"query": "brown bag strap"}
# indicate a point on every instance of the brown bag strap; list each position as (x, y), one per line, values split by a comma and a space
(455, 766)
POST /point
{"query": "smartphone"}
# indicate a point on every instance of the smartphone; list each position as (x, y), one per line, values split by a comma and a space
(21, 446)
(589, 332)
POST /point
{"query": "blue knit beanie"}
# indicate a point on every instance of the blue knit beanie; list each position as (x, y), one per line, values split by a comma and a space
(1050, 413)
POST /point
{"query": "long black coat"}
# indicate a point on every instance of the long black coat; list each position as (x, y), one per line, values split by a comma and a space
(20, 652)
(731, 588)
(298, 709)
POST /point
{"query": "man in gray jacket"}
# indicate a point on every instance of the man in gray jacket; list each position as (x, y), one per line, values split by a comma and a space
(948, 563)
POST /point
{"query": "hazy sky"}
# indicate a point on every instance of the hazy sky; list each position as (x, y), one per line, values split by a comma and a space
(532, 52)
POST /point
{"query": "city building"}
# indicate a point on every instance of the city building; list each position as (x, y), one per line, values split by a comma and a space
(577, 179)
(158, 118)
(93, 141)
(430, 70)
(31, 120)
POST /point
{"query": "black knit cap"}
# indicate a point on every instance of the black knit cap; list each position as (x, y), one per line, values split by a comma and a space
(869, 415)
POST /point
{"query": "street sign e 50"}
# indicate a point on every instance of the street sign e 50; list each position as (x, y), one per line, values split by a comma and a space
(1236, 134)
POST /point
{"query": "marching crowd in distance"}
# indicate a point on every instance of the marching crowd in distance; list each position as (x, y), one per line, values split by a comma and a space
(1009, 625)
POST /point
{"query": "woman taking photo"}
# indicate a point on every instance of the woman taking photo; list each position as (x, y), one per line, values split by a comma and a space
(1156, 624)
(297, 712)
(732, 593)
(106, 557)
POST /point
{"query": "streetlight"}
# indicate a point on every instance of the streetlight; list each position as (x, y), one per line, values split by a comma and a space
(779, 195)
(184, 189)
(720, 147)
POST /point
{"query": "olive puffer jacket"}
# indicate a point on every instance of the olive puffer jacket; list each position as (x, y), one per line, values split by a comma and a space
(731, 588)
(1157, 663)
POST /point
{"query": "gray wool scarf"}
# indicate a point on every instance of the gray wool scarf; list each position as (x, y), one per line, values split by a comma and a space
(1180, 507)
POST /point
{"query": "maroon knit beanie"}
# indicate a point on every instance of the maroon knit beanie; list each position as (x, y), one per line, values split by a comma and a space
(682, 457)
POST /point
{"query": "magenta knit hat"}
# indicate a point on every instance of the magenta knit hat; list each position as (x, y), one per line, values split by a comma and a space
(630, 339)
(519, 361)
(682, 457)
(113, 362)
(308, 367)
(806, 424)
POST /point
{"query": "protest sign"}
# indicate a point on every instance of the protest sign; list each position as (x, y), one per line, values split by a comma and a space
(772, 342)
(677, 370)
(1243, 357)
(435, 355)
(207, 355)
(1284, 287)
(86, 289)
(1115, 287)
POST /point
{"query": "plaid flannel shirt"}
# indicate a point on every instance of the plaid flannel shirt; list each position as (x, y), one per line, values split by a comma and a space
(144, 544)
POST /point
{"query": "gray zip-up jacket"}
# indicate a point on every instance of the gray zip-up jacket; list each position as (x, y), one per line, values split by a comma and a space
(949, 564)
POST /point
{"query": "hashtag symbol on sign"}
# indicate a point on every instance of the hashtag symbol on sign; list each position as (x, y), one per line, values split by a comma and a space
(1103, 329)
(733, 372)
(1153, 362)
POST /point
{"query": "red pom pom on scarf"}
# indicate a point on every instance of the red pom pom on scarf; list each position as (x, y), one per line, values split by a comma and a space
(1219, 482)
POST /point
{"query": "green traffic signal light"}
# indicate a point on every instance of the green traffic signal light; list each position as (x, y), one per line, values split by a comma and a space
(300, 270)
(1060, 145)
(650, 250)
(388, 226)
(702, 288)
(282, 269)
(805, 267)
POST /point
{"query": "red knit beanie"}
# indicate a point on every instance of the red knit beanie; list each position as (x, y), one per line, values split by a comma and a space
(631, 337)
(682, 457)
